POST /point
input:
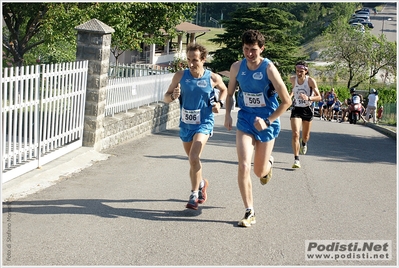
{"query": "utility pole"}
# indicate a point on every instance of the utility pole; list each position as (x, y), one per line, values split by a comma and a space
(196, 16)
(383, 21)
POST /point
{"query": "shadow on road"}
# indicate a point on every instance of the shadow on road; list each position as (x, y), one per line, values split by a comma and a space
(103, 208)
(332, 146)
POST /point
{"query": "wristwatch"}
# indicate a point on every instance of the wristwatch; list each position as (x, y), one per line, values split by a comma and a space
(267, 122)
(221, 102)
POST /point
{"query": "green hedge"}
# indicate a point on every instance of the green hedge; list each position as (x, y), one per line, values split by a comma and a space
(385, 95)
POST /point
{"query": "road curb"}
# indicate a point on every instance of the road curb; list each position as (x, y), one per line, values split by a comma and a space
(384, 130)
(49, 174)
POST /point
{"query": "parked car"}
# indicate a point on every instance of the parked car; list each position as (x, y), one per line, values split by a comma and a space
(362, 16)
(358, 26)
(361, 11)
(368, 24)
(356, 20)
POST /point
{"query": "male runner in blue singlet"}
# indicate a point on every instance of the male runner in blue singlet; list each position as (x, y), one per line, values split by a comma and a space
(258, 122)
(194, 87)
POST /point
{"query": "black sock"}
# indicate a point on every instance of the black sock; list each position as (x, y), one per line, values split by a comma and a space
(296, 157)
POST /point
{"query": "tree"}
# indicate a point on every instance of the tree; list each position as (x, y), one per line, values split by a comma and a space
(313, 18)
(50, 27)
(132, 28)
(357, 56)
(281, 43)
(15, 18)
(219, 11)
(30, 25)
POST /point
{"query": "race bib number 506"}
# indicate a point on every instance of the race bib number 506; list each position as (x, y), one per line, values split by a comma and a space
(191, 116)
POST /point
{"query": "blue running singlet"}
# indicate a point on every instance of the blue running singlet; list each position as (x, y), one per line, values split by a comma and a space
(195, 103)
(256, 97)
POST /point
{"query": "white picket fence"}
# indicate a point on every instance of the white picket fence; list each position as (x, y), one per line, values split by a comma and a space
(42, 114)
(135, 70)
(123, 94)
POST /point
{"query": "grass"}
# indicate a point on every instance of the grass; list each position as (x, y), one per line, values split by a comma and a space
(391, 120)
(204, 39)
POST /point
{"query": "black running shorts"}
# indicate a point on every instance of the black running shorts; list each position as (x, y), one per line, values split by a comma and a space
(305, 113)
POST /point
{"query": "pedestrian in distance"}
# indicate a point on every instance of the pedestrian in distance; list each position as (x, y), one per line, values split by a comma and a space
(337, 110)
(331, 99)
(371, 110)
(195, 89)
(304, 92)
(380, 113)
(321, 106)
(258, 120)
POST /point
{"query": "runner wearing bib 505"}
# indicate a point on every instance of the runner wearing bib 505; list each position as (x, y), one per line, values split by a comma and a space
(256, 98)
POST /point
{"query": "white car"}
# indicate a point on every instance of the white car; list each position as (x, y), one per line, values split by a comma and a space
(358, 26)
(363, 16)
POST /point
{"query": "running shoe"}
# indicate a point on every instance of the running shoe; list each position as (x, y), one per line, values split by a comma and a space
(296, 164)
(267, 178)
(302, 148)
(202, 192)
(248, 220)
(192, 202)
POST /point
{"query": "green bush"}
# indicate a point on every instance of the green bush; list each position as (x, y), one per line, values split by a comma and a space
(385, 95)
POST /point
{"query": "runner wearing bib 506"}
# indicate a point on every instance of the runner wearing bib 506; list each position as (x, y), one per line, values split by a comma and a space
(195, 88)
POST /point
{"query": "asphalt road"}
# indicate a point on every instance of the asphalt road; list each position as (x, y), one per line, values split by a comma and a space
(129, 210)
(385, 22)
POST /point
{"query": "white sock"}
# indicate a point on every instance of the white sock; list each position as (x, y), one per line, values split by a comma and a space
(202, 183)
(195, 193)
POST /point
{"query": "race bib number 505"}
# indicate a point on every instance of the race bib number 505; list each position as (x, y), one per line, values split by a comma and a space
(191, 116)
(254, 99)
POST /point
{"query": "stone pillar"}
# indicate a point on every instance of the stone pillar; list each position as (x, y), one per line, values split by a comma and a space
(93, 44)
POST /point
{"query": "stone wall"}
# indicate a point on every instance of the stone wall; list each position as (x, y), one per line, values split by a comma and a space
(102, 132)
(137, 123)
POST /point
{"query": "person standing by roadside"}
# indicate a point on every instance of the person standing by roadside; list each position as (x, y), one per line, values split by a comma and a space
(321, 104)
(337, 110)
(304, 92)
(194, 87)
(331, 99)
(371, 110)
(258, 122)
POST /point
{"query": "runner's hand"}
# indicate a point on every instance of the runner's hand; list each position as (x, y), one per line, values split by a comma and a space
(259, 124)
(176, 91)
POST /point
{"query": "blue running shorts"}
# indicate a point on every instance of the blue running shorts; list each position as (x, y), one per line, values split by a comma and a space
(187, 135)
(245, 123)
